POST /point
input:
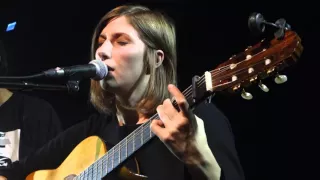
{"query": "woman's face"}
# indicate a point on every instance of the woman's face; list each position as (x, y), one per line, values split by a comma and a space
(121, 49)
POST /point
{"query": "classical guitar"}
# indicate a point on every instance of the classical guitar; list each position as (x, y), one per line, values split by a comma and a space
(260, 61)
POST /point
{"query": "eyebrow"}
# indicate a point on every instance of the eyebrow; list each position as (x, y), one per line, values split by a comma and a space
(115, 35)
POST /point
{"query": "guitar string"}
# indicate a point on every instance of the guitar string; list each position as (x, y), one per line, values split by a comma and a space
(140, 129)
(222, 77)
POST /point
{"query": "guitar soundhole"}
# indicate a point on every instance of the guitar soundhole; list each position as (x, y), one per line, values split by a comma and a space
(70, 177)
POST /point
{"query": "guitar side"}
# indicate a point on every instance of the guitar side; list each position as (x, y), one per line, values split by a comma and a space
(82, 156)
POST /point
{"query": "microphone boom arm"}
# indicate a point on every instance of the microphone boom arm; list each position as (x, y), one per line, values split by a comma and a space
(71, 86)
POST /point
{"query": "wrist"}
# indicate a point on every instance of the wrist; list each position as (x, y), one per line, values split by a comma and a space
(203, 164)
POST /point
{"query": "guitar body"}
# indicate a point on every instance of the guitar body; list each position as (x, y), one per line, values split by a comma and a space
(83, 155)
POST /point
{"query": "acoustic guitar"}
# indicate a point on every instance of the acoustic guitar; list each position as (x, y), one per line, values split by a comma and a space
(258, 62)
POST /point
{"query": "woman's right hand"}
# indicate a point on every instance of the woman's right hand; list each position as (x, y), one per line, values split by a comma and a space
(3, 178)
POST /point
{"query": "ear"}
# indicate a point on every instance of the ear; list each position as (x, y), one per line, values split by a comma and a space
(159, 59)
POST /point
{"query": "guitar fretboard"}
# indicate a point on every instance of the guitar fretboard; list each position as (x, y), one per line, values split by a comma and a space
(119, 152)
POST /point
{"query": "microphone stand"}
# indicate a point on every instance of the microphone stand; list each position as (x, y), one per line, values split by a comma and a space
(71, 86)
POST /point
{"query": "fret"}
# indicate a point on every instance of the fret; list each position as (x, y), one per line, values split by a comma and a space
(119, 151)
(106, 160)
(86, 173)
(123, 151)
(133, 140)
(130, 146)
(105, 164)
(100, 169)
(146, 133)
(90, 172)
(126, 147)
(150, 132)
(141, 136)
(94, 172)
(116, 150)
(109, 162)
(112, 157)
(137, 138)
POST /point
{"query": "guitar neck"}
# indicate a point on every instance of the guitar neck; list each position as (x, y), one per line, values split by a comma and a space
(140, 136)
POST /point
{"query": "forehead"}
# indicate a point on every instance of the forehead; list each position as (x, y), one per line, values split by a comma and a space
(119, 25)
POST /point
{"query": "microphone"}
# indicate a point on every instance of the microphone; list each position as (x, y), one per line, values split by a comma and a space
(96, 70)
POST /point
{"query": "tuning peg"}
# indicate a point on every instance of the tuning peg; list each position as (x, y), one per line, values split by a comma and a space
(246, 95)
(279, 79)
(263, 87)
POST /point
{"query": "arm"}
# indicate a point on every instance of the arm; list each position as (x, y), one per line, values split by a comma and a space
(184, 135)
(203, 164)
(188, 138)
(220, 141)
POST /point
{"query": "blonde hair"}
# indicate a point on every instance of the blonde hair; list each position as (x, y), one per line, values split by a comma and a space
(157, 31)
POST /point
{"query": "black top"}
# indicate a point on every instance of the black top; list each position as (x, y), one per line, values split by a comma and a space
(26, 124)
(154, 159)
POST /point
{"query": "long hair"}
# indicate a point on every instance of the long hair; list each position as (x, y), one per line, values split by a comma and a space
(157, 31)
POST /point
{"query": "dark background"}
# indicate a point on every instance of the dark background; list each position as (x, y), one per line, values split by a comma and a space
(272, 130)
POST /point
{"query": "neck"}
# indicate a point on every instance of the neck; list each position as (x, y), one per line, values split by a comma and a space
(126, 104)
(129, 116)
(5, 94)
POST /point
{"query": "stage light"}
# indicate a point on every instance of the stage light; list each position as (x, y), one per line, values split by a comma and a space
(11, 26)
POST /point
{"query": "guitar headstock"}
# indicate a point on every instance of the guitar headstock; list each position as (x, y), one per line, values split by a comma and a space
(265, 59)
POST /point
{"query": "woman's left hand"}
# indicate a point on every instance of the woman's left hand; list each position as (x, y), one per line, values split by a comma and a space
(179, 129)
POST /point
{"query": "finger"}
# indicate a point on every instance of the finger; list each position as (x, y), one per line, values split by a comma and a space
(169, 109)
(157, 128)
(180, 99)
(163, 116)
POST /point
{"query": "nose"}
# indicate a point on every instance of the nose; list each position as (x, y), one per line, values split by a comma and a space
(103, 56)
(104, 51)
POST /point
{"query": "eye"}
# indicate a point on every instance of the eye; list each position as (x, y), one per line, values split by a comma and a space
(100, 43)
(122, 43)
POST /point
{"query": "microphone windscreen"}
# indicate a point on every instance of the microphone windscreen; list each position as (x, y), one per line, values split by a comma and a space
(102, 69)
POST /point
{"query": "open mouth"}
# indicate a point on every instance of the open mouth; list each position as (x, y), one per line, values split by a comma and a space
(110, 68)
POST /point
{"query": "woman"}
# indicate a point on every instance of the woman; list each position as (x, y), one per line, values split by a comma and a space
(138, 45)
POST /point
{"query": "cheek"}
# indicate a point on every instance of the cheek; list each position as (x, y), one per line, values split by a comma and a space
(132, 62)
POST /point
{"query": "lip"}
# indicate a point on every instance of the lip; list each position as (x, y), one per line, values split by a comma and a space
(110, 68)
